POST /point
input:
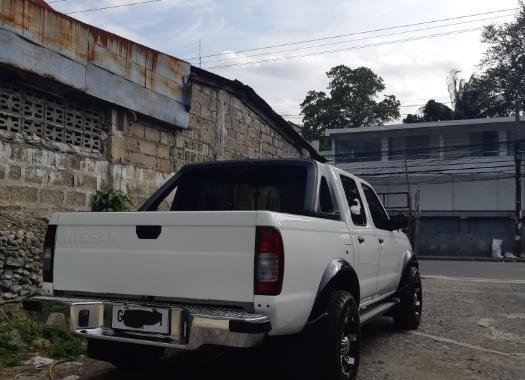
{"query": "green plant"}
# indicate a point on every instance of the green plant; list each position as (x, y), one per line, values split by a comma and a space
(112, 200)
(12, 353)
(19, 337)
(28, 329)
(66, 348)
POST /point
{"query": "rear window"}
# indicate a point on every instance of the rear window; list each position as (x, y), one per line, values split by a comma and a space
(272, 188)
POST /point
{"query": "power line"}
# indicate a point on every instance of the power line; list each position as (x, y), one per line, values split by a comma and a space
(112, 7)
(355, 40)
(349, 48)
(358, 33)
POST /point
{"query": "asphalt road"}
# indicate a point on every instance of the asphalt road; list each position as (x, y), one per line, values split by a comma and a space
(474, 269)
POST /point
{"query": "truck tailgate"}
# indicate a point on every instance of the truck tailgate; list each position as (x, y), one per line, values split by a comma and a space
(205, 255)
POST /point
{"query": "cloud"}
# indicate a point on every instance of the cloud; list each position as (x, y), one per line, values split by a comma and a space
(411, 70)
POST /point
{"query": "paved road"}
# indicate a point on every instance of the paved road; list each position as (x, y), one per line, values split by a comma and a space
(474, 269)
(471, 330)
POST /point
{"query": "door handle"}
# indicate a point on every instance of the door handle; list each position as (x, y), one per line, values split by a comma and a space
(361, 239)
(381, 240)
(148, 232)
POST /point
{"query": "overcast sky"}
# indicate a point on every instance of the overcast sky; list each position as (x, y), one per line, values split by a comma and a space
(413, 71)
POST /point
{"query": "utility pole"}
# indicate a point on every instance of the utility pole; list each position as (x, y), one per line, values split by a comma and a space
(518, 157)
(517, 177)
(200, 53)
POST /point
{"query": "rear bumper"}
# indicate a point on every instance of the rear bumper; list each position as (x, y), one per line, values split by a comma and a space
(191, 326)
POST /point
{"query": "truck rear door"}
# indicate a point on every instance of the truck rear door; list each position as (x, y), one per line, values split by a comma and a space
(176, 255)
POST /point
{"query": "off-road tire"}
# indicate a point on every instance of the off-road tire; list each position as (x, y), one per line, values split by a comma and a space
(407, 314)
(338, 336)
(125, 356)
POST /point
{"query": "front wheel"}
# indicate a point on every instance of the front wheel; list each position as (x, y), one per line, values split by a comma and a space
(407, 314)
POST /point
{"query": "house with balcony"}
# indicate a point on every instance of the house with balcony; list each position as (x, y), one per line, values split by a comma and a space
(459, 174)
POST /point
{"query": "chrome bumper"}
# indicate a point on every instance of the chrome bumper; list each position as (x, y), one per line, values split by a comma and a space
(191, 326)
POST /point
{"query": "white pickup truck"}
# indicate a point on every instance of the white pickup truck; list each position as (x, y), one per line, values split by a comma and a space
(245, 250)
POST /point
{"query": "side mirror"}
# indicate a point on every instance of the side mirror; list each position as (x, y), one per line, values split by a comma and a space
(397, 222)
(356, 208)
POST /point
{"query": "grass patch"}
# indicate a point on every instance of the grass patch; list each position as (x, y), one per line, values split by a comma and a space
(21, 336)
(11, 354)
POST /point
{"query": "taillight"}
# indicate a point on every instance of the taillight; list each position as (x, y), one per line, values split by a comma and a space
(48, 255)
(269, 261)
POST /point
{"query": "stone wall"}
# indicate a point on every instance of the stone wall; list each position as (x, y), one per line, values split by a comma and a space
(20, 265)
(49, 164)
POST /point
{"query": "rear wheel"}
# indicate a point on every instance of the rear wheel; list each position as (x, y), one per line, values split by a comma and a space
(338, 336)
(125, 356)
(407, 315)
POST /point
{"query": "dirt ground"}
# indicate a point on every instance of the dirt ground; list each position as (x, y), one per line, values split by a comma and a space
(470, 330)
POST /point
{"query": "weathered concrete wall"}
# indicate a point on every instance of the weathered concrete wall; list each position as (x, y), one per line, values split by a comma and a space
(464, 237)
(47, 166)
(145, 154)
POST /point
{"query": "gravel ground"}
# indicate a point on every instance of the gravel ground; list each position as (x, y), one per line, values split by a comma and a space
(470, 330)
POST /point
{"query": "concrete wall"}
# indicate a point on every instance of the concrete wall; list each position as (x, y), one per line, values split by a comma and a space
(464, 236)
(40, 173)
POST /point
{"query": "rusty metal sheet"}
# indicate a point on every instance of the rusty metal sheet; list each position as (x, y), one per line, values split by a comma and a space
(170, 68)
(66, 36)
(101, 83)
(163, 85)
(22, 17)
(39, 60)
(79, 55)
(136, 73)
(106, 59)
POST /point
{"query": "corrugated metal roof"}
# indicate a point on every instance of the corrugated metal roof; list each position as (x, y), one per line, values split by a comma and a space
(38, 39)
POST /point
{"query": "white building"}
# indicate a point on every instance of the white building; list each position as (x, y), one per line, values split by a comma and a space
(464, 171)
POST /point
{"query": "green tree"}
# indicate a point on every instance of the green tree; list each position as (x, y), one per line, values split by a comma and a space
(351, 102)
(478, 97)
(413, 118)
(431, 111)
(504, 60)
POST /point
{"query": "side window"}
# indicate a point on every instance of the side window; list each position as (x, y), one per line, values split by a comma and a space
(325, 198)
(352, 195)
(379, 216)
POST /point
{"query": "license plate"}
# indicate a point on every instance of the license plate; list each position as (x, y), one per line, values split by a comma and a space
(143, 319)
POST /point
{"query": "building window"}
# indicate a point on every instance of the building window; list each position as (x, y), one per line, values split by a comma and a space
(397, 148)
(41, 114)
(359, 150)
(456, 145)
(484, 144)
(418, 147)
(409, 147)
(512, 139)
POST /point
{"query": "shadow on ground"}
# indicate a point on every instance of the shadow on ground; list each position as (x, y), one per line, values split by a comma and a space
(236, 364)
